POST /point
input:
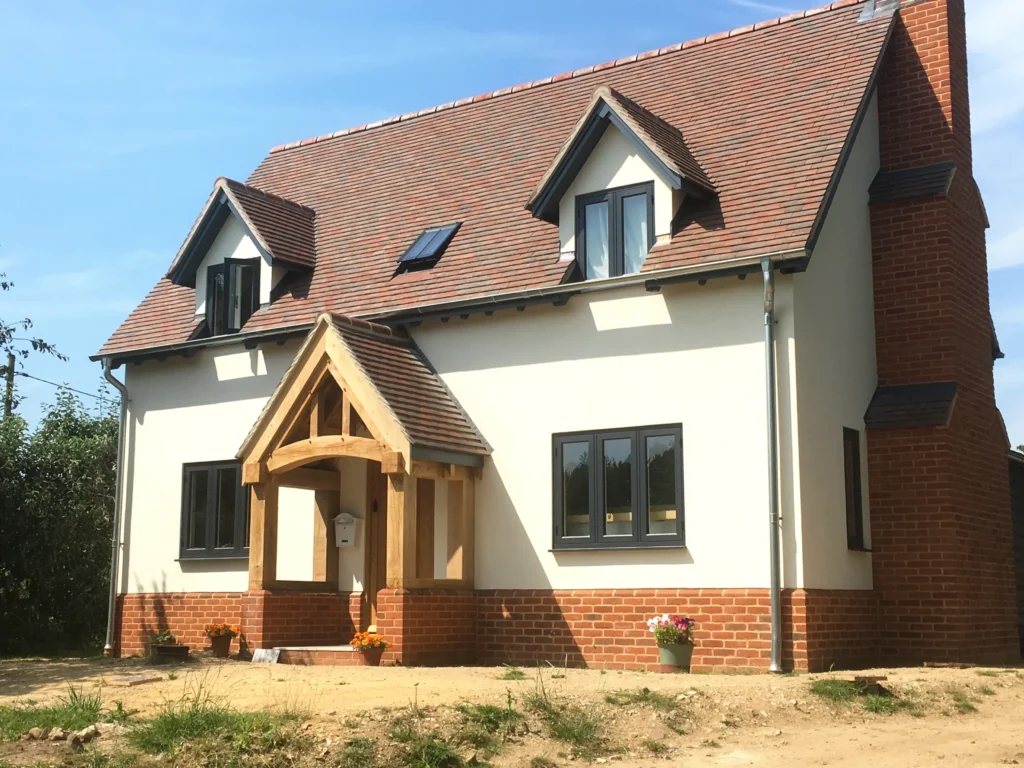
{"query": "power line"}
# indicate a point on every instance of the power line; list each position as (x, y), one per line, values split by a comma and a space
(64, 386)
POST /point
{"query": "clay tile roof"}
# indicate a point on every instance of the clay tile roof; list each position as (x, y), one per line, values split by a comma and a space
(286, 228)
(767, 110)
(422, 405)
(664, 139)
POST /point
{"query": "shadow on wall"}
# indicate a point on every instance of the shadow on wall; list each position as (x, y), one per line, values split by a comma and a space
(529, 340)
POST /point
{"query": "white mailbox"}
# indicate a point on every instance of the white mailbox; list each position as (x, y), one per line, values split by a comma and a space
(345, 528)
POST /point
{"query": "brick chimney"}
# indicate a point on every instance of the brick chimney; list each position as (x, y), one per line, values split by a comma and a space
(941, 527)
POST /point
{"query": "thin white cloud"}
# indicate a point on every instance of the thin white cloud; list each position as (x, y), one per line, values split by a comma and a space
(1007, 251)
(997, 62)
(759, 6)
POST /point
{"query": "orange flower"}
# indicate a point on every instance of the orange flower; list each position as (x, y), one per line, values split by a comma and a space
(363, 640)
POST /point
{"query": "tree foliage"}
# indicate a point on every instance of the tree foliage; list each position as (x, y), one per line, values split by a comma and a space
(13, 343)
(56, 503)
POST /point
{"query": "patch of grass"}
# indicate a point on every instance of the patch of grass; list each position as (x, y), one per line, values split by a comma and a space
(359, 753)
(986, 691)
(643, 697)
(576, 725)
(197, 717)
(835, 691)
(655, 747)
(886, 705)
(351, 723)
(429, 752)
(542, 762)
(962, 703)
(403, 730)
(512, 673)
(710, 743)
(986, 673)
(487, 727)
(73, 711)
(172, 676)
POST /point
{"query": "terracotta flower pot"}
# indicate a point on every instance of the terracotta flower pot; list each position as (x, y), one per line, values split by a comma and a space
(675, 657)
(371, 656)
(221, 646)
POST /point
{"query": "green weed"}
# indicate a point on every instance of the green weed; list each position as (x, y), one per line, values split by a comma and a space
(655, 747)
(358, 753)
(513, 673)
(986, 691)
(835, 691)
(962, 703)
(643, 697)
(73, 711)
(196, 716)
(886, 705)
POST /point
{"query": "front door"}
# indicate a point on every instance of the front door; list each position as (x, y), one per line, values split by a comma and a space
(376, 541)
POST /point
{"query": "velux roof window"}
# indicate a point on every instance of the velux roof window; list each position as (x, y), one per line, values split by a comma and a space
(428, 248)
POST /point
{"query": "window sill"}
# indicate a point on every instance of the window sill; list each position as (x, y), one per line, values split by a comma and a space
(859, 549)
(210, 558)
(619, 548)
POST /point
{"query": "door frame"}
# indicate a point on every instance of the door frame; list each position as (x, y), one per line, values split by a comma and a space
(375, 560)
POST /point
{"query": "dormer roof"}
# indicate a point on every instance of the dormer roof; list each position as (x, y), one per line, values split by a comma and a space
(281, 230)
(662, 146)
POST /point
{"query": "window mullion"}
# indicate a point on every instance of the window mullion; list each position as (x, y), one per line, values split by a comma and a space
(212, 509)
(596, 489)
(240, 516)
(639, 484)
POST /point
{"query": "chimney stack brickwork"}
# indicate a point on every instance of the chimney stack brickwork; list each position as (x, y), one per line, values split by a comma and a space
(940, 503)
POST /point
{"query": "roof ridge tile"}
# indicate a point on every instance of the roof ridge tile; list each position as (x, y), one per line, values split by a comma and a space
(706, 40)
(264, 193)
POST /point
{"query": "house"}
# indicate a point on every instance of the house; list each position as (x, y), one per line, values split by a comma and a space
(702, 330)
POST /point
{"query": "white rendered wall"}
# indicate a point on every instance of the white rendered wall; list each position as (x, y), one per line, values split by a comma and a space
(836, 373)
(232, 242)
(614, 162)
(192, 410)
(626, 358)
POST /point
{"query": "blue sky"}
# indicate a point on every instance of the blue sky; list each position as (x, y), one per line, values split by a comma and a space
(118, 116)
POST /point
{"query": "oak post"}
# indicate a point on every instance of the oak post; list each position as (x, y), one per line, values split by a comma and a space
(325, 551)
(263, 534)
(401, 542)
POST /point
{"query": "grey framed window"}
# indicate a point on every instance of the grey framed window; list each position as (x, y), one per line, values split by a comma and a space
(614, 230)
(214, 511)
(854, 493)
(232, 295)
(618, 489)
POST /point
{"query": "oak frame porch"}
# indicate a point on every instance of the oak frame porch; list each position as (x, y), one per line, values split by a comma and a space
(324, 412)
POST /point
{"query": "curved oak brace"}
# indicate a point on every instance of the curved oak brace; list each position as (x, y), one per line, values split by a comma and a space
(294, 455)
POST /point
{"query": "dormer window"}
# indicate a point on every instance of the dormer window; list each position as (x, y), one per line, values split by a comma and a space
(614, 230)
(232, 294)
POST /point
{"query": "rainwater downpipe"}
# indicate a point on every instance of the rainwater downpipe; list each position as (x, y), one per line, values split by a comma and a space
(773, 463)
(115, 537)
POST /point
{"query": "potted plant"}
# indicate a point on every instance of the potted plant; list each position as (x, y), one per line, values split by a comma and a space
(220, 638)
(371, 647)
(674, 635)
(165, 647)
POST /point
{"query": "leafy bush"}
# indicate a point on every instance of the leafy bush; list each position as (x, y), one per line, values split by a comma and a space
(56, 501)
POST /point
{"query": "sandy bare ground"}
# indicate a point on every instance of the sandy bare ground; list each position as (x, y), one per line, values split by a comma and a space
(730, 720)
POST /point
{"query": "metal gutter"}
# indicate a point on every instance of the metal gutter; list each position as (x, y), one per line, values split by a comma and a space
(792, 260)
(115, 536)
(652, 281)
(771, 376)
(251, 341)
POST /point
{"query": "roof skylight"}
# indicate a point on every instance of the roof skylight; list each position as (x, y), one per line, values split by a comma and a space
(428, 248)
